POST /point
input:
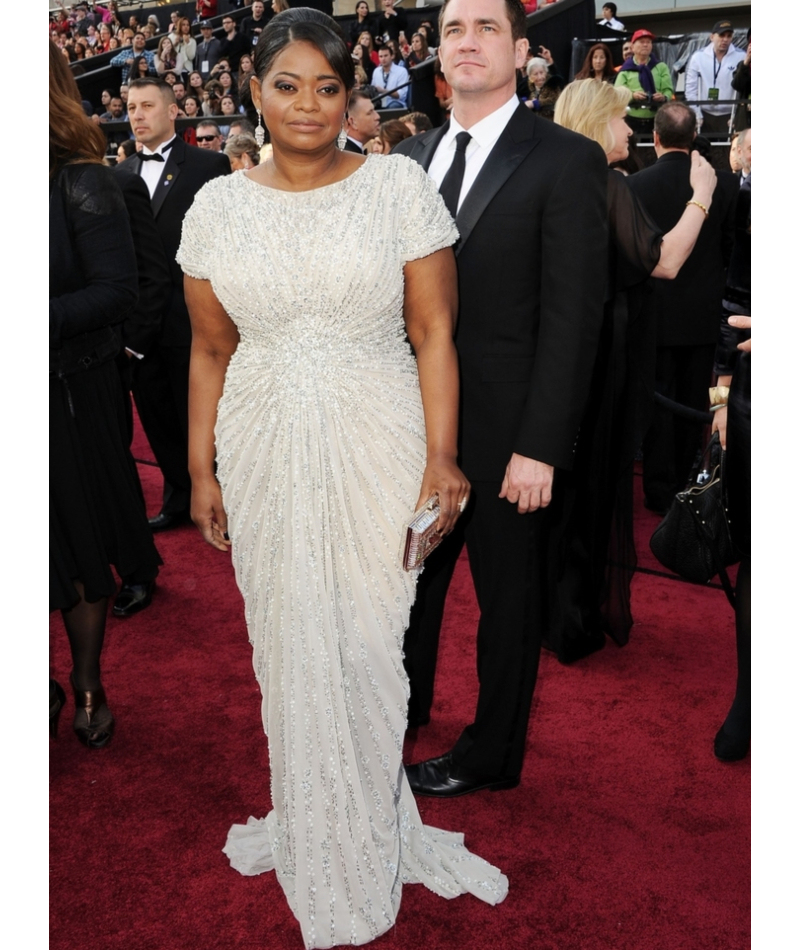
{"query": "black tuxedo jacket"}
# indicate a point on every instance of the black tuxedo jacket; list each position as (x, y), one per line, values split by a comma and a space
(688, 307)
(351, 146)
(141, 327)
(186, 170)
(532, 268)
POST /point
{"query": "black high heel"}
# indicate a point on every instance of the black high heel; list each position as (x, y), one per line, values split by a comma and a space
(92, 735)
(58, 699)
(728, 748)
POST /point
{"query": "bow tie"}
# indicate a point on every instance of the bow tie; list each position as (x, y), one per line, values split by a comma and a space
(156, 156)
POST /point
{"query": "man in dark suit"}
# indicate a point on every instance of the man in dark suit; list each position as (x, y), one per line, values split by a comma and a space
(527, 337)
(140, 330)
(688, 307)
(174, 172)
(362, 121)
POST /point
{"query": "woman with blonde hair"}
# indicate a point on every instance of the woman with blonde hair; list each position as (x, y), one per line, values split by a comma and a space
(242, 151)
(592, 554)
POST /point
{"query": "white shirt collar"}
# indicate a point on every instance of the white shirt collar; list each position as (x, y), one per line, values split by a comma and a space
(161, 147)
(486, 132)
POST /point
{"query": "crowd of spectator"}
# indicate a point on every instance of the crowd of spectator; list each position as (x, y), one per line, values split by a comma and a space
(209, 67)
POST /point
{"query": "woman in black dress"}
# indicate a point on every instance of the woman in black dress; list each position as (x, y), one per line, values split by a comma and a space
(97, 515)
(732, 366)
(592, 554)
(362, 22)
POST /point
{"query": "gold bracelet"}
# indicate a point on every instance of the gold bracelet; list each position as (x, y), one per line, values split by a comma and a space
(718, 396)
(702, 207)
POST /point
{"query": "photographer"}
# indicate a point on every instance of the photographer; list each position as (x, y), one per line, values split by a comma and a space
(648, 80)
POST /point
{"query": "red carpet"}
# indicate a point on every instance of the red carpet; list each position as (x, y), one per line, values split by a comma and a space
(625, 832)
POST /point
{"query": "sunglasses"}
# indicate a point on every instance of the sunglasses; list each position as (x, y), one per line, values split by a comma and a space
(206, 138)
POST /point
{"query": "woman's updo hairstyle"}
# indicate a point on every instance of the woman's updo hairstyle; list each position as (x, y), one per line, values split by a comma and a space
(304, 25)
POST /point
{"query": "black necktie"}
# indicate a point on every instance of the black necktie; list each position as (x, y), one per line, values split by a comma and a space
(450, 188)
(156, 156)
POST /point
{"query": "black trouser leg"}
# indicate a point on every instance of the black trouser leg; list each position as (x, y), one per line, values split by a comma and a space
(504, 551)
(161, 391)
(421, 644)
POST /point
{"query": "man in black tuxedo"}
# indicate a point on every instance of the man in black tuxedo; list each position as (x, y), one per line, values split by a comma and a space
(362, 122)
(688, 307)
(140, 330)
(530, 205)
(174, 172)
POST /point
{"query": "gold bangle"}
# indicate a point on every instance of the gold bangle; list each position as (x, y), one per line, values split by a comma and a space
(718, 396)
(702, 207)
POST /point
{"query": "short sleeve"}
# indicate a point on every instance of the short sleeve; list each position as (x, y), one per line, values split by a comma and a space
(426, 225)
(196, 252)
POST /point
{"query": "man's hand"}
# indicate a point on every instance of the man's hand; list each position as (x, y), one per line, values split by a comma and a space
(527, 484)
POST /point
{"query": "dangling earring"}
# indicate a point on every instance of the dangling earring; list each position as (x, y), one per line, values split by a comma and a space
(341, 141)
(259, 130)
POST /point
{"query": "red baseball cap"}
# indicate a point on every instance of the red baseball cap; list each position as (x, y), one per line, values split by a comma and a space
(641, 35)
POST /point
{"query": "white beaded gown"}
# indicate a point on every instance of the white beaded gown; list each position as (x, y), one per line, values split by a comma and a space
(320, 450)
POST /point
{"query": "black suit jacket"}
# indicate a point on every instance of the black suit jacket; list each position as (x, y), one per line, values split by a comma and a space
(186, 170)
(351, 146)
(688, 307)
(528, 322)
(141, 327)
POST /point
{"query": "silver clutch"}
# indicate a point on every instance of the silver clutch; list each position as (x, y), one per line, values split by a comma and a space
(421, 535)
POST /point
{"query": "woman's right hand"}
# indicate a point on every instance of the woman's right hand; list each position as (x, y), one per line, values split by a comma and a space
(720, 424)
(703, 180)
(208, 513)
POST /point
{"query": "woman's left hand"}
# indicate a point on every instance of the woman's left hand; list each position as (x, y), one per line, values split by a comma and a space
(444, 478)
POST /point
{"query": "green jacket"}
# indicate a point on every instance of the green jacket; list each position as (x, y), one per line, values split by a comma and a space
(630, 80)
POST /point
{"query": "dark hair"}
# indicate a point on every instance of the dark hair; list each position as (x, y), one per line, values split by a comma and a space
(150, 82)
(357, 94)
(73, 136)
(302, 24)
(675, 124)
(587, 70)
(128, 147)
(394, 132)
(422, 122)
(612, 7)
(208, 122)
(516, 17)
(246, 124)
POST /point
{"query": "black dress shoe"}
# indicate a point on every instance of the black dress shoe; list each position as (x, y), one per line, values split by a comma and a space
(728, 748)
(163, 521)
(441, 778)
(132, 598)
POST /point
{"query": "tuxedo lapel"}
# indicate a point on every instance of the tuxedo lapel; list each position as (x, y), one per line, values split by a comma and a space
(172, 169)
(516, 142)
(425, 148)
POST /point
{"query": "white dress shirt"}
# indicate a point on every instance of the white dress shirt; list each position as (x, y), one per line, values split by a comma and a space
(152, 171)
(484, 136)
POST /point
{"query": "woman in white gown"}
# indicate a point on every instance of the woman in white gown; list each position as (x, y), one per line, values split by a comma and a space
(304, 275)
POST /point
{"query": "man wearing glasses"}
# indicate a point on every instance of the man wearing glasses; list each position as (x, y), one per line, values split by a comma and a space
(209, 136)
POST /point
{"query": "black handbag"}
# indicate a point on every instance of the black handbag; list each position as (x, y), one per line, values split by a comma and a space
(694, 538)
